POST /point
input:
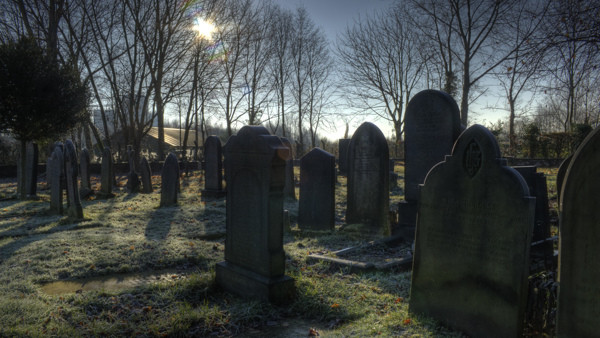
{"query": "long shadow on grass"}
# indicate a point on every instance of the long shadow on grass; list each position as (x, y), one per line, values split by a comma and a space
(160, 223)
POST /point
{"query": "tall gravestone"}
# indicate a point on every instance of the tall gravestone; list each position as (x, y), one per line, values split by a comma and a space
(254, 263)
(146, 174)
(343, 155)
(133, 178)
(471, 258)
(213, 168)
(289, 189)
(560, 175)
(368, 179)
(316, 210)
(106, 173)
(31, 169)
(169, 185)
(75, 210)
(54, 171)
(579, 249)
(431, 125)
(84, 167)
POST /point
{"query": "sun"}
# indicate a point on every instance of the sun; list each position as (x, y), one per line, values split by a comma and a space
(204, 28)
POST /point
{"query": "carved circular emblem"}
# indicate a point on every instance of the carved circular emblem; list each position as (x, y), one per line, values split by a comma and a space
(472, 158)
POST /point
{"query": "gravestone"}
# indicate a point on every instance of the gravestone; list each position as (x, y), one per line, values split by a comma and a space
(254, 263)
(213, 168)
(471, 258)
(431, 125)
(169, 181)
(31, 169)
(133, 178)
(368, 179)
(316, 210)
(106, 175)
(146, 174)
(289, 189)
(579, 249)
(560, 175)
(343, 155)
(84, 167)
(54, 169)
(74, 208)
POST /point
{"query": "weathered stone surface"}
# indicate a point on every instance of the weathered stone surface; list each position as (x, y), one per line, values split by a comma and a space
(84, 168)
(289, 189)
(471, 260)
(169, 181)
(75, 210)
(254, 263)
(31, 169)
(343, 155)
(213, 168)
(316, 210)
(368, 179)
(106, 175)
(560, 176)
(538, 189)
(146, 174)
(579, 248)
(54, 169)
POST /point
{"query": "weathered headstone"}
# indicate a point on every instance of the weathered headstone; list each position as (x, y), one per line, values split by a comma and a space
(169, 181)
(146, 174)
(579, 249)
(368, 179)
(471, 257)
(254, 263)
(560, 175)
(316, 210)
(75, 210)
(106, 174)
(133, 178)
(431, 125)
(343, 155)
(213, 168)
(289, 189)
(31, 169)
(54, 169)
(84, 167)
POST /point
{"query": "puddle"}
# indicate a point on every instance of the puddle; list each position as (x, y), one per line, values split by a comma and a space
(110, 282)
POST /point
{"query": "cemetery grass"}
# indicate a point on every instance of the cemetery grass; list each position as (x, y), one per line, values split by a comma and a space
(178, 247)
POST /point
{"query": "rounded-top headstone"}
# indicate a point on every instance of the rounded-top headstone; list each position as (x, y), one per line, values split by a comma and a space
(169, 181)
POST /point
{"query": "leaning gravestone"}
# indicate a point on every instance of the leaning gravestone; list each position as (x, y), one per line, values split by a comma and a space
(146, 174)
(289, 189)
(316, 210)
(473, 235)
(133, 178)
(169, 181)
(31, 169)
(254, 263)
(579, 249)
(106, 174)
(75, 210)
(54, 169)
(213, 168)
(431, 125)
(343, 155)
(84, 167)
(368, 179)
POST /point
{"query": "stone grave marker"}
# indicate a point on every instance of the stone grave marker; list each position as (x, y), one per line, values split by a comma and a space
(343, 155)
(54, 169)
(316, 210)
(213, 168)
(31, 169)
(473, 236)
(254, 263)
(146, 174)
(84, 167)
(106, 174)
(133, 178)
(579, 243)
(169, 181)
(289, 189)
(74, 209)
(368, 179)
(560, 175)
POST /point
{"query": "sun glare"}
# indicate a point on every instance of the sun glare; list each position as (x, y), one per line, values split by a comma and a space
(204, 28)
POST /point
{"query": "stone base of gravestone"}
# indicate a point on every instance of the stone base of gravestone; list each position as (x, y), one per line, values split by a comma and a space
(212, 194)
(407, 220)
(133, 182)
(238, 280)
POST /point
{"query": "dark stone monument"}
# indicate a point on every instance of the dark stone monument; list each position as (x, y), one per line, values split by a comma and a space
(316, 210)
(31, 169)
(133, 178)
(169, 181)
(84, 167)
(579, 243)
(368, 179)
(343, 144)
(106, 175)
(289, 189)
(471, 257)
(431, 125)
(213, 168)
(254, 263)
(146, 174)
(54, 171)
(74, 210)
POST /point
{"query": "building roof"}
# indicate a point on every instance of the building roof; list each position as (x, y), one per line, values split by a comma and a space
(174, 136)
